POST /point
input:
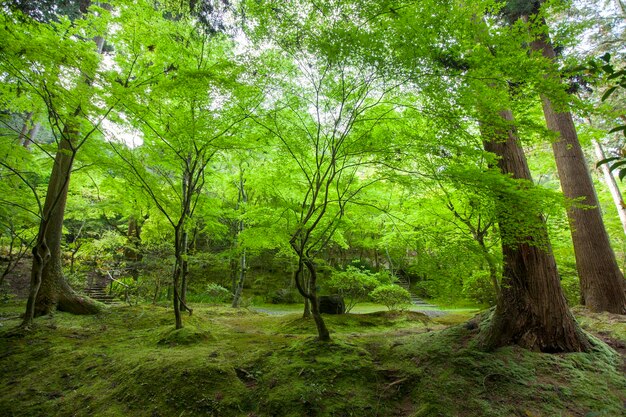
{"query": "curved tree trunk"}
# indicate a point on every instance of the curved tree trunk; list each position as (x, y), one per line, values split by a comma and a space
(531, 311)
(322, 331)
(54, 292)
(309, 292)
(48, 288)
(601, 281)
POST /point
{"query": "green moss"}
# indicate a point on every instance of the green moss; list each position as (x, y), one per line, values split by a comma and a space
(186, 336)
(228, 362)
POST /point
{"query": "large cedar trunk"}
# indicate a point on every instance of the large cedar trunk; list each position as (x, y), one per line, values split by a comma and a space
(601, 281)
(531, 311)
(54, 292)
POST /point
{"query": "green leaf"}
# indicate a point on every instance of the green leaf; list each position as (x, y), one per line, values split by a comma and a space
(617, 165)
(622, 174)
(608, 92)
(618, 128)
(606, 57)
(617, 74)
(608, 68)
(607, 160)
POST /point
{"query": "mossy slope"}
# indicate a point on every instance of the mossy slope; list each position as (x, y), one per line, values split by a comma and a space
(129, 362)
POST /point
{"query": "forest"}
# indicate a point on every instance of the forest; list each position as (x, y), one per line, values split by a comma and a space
(312, 208)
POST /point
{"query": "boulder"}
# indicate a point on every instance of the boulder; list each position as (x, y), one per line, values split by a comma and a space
(332, 304)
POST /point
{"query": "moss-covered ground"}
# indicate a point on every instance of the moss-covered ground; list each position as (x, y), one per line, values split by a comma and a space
(129, 361)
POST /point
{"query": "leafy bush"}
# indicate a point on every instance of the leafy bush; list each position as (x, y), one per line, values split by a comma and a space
(217, 294)
(391, 296)
(353, 284)
(477, 287)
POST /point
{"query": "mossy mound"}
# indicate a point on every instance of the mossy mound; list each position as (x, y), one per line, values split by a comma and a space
(356, 323)
(186, 336)
(242, 364)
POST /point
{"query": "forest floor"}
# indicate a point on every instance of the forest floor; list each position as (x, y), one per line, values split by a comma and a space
(128, 361)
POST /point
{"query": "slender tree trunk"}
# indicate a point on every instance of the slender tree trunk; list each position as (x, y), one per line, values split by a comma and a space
(26, 126)
(601, 281)
(242, 200)
(157, 291)
(31, 135)
(322, 332)
(306, 314)
(240, 282)
(531, 311)
(29, 131)
(178, 265)
(311, 295)
(493, 270)
(612, 184)
(184, 271)
(132, 251)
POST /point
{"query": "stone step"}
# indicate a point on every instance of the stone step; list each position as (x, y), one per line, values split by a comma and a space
(415, 300)
(100, 294)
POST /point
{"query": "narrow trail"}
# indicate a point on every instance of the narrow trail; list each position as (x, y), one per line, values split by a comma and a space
(430, 311)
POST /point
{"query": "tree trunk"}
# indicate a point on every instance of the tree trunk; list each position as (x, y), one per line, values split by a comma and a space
(612, 184)
(31, 135)
(26, 126)
(310, 294)
(242, 278)
(601, 281)
(48, 289)
(493, 270)
(322, 332)
(306, 314)
(157, 291)
(178, 265)
(242, 200)
(184, 271)
(132, 250)
(54, 292)
(531, 311)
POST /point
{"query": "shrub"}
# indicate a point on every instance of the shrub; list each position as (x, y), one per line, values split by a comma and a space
(353, 284)
(477, 287)
(217, 294)
(391, 296)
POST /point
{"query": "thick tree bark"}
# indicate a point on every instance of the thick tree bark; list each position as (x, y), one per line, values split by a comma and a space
(48, 288)
(48, 284)
(531, 311)
(601, 281)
